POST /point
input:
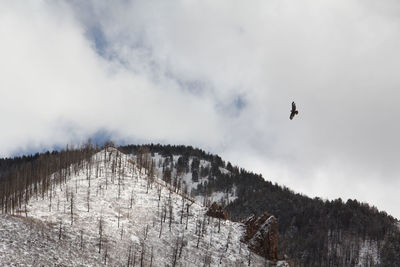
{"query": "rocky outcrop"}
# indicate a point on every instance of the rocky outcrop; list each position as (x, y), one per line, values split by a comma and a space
(262, 235)
(217, 211)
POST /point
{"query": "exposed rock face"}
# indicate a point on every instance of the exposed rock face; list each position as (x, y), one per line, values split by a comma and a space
(262, 235)
(217, 211)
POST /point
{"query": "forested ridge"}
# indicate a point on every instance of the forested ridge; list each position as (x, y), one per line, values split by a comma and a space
(25, 176)
(312, 231)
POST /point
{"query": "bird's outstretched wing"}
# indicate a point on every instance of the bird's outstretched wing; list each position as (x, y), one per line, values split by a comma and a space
(293, 106)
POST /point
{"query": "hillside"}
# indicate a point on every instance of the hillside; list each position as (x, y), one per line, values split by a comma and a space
(110, 210)
(313, 232)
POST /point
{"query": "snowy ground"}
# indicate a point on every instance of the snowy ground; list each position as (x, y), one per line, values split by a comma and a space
(29, 242)
(107, 214)
(368, 255)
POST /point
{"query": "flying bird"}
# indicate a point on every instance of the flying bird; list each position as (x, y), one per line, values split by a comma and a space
(293, 112)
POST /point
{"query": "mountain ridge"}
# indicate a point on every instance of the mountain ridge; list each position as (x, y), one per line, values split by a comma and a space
(116, 212)
(313, 232)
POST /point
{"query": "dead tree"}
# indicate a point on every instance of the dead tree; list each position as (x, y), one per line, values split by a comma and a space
(187, 214)
(105, 251)
(72, 207)
(228, 240)
(183, 208)
(161, 223)
(49, 203)
(101, 229)
(146, 231)
(129, 255)
(88, 199)
(142, 253)
(151, 257)
(183, 243)
(164, 211)
(249, 260)
(81, 239)
(159, 190)
(132, 200)
(170, 207)
(198, 230)
(175, 252)
(119, 212)
(119, 187)
(60, 231)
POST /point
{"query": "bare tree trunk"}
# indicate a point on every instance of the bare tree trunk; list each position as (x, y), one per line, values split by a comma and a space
(81, 239)
(142, 253)
(88, 199)
(249, 260)
(72, 207)
(187, 215)
(60, 231)
(119, 212)
(101, 226)
(129, 256)
(161, 222)
(175, 252)
(170, 207)
(183, 206)
(151, 257)
(132, 199)
(105, 252)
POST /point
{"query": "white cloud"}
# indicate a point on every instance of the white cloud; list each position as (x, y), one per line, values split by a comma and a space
(175, 71)
(55, 87)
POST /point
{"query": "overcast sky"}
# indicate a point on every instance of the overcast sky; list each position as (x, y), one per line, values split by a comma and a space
(219, 75)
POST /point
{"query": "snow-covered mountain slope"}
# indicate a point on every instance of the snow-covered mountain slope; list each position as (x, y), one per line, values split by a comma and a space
(109, 213)
(30, 242)
(313, 232)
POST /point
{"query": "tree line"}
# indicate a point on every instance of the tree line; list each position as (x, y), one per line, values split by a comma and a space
(24, 177)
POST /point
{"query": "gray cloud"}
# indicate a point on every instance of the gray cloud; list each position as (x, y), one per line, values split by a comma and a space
(219, 75)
